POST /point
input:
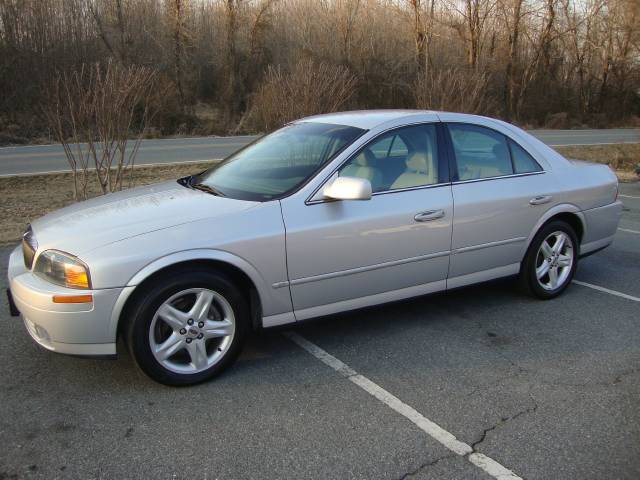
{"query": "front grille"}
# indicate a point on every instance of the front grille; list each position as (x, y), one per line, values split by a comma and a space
(29, 247)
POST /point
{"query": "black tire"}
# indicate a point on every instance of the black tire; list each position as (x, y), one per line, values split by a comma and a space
(528, 279)
(152, 295)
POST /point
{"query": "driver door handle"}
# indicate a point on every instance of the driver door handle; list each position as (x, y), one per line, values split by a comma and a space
(429, 215)
(540, 200)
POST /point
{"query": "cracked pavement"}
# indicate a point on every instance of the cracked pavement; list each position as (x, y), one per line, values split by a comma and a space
(501, 422)
(548, 389)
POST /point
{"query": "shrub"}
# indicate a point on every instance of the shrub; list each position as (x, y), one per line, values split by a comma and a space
(454, 90)
(310, 88)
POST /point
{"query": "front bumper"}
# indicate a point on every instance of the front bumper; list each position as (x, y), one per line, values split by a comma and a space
(75, 329)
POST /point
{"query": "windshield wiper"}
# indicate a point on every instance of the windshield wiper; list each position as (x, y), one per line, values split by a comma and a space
(189, 183)
(207, 188)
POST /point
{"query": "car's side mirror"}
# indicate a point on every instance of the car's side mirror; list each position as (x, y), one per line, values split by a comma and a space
(348, 188)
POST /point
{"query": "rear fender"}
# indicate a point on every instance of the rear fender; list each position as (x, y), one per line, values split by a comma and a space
(552, 212)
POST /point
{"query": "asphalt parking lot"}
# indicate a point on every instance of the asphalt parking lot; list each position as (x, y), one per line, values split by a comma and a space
(548, 390)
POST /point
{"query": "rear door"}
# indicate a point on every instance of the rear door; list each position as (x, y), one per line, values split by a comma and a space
(499, 193)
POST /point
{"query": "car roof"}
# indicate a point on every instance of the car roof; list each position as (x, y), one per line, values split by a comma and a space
(365, 119)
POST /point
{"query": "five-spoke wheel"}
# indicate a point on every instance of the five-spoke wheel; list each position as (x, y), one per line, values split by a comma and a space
(551, 260)
(554, 260)
(186, 326)
(192, 330)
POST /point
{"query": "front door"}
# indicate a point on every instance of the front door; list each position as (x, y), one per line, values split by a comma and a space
(348, 254)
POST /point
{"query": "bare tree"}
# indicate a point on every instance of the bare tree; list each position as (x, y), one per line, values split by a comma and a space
(539, 62)
(581, 29)
(94, 111)
(513, 14)
(347, 20)
(176, 16)
(620, 23)
(423, 16)
(232, 93)
(471, 26)
(420, 35)
(257, 48)
(112, 27)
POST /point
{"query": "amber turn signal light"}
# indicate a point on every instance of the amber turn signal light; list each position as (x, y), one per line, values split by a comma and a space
(72, 298)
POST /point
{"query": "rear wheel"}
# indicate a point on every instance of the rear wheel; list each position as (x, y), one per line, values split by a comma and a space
(188, 327)
(551, 261)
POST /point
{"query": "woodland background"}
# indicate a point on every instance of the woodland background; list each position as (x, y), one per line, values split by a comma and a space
(237, 66)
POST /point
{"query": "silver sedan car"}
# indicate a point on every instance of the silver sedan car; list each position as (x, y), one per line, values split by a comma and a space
(330, 213)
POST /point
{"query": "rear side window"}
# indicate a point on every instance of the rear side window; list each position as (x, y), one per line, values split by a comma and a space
(480, 152)
(522, 161)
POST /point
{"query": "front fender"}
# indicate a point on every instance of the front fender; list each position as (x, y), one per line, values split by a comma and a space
(264, 290)
(198, 254)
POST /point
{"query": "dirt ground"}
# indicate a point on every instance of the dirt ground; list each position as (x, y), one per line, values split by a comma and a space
(24, 198)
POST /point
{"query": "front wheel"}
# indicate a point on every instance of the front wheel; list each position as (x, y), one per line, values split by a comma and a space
(551, 261)
(187, 328)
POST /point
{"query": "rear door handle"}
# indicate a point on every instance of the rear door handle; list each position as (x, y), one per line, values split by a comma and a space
(429, 216)
(540, 200)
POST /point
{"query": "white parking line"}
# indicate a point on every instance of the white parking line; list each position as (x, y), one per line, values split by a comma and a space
(607, 290)
(628, 196)
(435, 431)
(628, 230)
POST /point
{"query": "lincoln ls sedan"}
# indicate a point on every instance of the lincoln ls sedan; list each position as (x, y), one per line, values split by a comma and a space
(328, 214)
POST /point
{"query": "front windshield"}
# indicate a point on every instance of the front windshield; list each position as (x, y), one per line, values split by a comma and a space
(277, 163)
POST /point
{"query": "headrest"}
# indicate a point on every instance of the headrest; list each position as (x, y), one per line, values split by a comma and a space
(366, 158)
(500, 150)
(418, 162)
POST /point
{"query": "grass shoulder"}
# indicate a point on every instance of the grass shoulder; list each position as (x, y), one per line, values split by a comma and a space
(623, 158)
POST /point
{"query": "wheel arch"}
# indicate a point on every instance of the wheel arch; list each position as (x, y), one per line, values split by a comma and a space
(568, 213)
(237, 269)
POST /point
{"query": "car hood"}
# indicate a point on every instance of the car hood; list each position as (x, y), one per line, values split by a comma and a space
(87, 225)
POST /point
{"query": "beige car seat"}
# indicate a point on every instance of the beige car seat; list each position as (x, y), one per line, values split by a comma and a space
(420, 171)
(363, 166)
(495, 166)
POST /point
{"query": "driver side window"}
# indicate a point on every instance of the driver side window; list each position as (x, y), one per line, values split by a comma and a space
(403, 158)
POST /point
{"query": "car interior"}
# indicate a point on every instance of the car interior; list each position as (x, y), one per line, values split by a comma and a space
(484, 164)
(408, 157)
(397, 161)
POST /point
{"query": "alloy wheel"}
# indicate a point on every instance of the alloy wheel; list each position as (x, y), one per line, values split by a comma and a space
(554, 260)
(192, 330)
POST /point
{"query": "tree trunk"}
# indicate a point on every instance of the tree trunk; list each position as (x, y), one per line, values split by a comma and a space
(232, 94)
(512, 63)
(420, 37)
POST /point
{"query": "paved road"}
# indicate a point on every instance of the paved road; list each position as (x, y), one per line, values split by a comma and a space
(51, 158)
(547, 389)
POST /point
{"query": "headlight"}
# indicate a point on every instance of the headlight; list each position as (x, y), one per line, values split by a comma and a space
(62, 269)
(29, 247)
